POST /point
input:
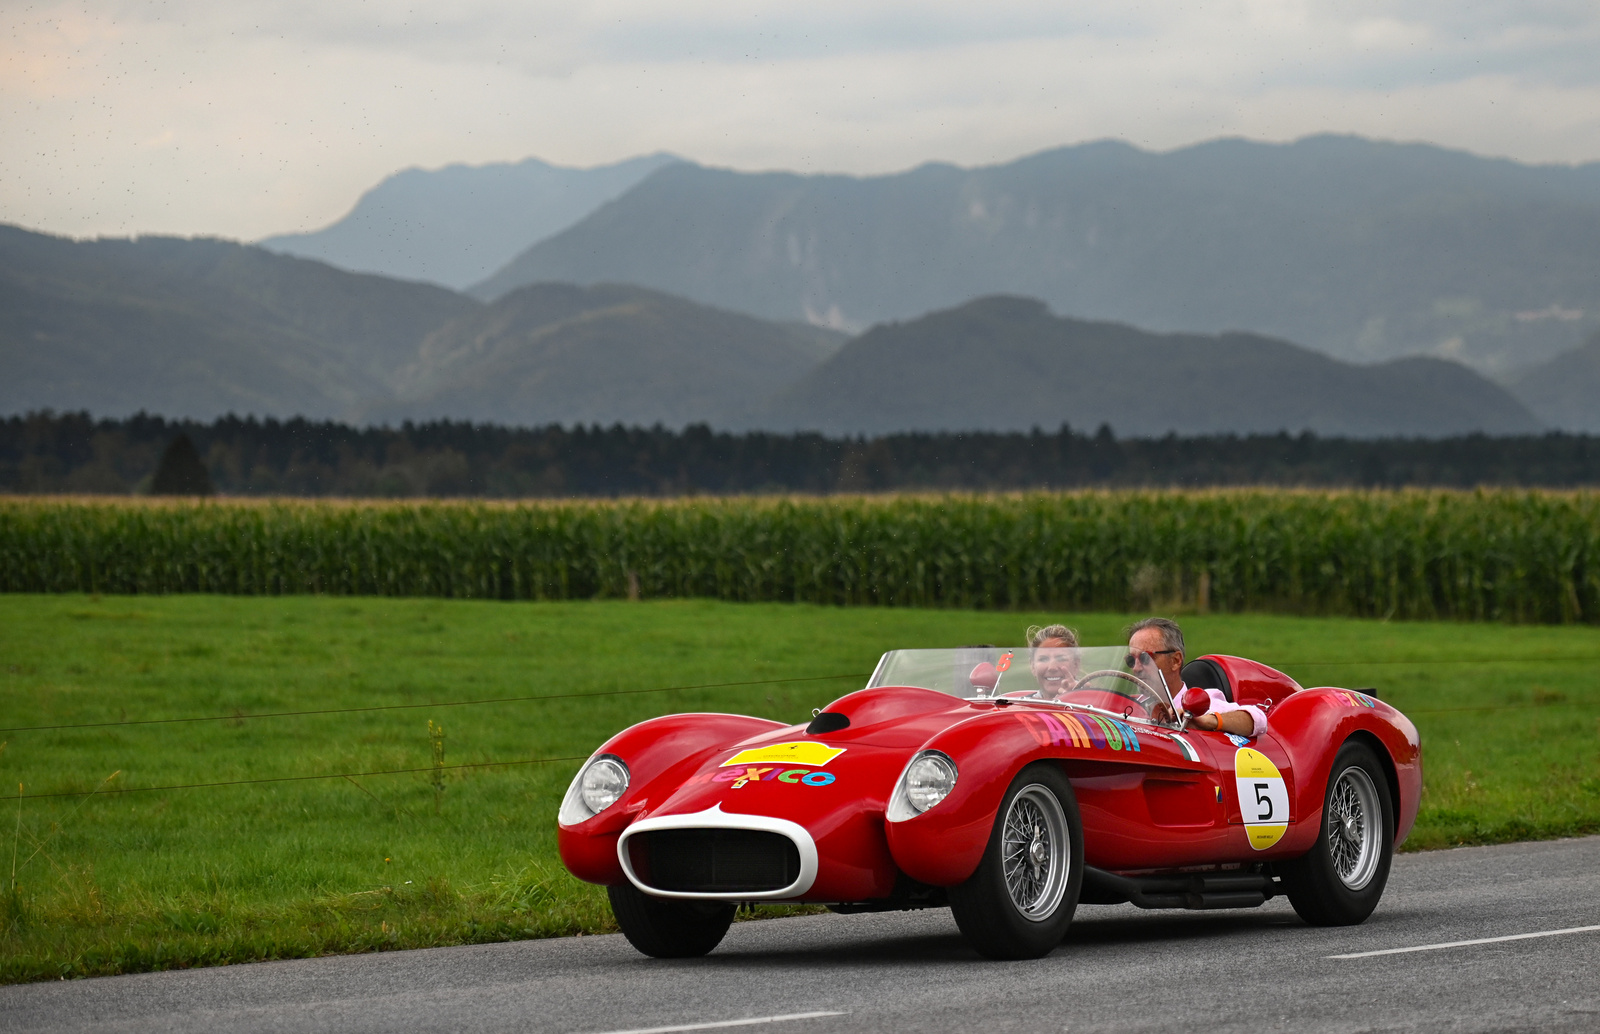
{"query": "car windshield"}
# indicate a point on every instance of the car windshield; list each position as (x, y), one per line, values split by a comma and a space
(1107, 678)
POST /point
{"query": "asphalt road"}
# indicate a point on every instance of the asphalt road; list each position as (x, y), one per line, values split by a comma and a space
(1120, 969)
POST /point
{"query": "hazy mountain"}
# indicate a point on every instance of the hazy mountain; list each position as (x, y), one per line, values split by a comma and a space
(203, 327)
(1004, 363)
(1564, 392)
(456, 225)
(1359, 249)
(199, 328)
(555, 353)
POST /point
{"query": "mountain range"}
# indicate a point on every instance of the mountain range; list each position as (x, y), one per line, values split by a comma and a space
(201, 328)
(556, 353)
(457, 225)
(1564, 391)
(1004, 363)
(1360, 249)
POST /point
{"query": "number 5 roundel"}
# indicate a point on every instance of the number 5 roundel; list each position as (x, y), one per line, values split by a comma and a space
(1263, 798)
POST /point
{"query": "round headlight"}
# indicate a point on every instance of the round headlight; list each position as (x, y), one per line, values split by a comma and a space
(929, 780)
(603, 782)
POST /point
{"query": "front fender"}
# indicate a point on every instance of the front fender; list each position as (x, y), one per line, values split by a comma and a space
(660, 754)
(944, 845)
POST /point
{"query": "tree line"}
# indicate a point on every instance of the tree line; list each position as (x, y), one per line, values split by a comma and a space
(75, 453)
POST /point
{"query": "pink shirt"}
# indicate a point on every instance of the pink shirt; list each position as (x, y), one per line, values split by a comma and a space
(1221, 706)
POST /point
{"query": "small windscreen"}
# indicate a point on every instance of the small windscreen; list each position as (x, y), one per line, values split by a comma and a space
(1105, 677)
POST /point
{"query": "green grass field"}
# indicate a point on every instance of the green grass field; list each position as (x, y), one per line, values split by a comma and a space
(120, 882)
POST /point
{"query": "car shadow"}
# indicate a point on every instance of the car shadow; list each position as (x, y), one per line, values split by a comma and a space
(935, 947)
(1175, 925)
(856, 946)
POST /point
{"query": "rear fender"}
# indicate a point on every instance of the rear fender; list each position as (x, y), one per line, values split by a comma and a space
(1314, 723)
(660, 754)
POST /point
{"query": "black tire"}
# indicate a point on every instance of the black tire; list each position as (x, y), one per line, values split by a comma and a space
(1339, 881)
(1026, 916)
(669, 928)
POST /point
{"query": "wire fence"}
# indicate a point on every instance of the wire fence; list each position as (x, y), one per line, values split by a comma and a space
(103, 790)
(710, 685)
(435, 704)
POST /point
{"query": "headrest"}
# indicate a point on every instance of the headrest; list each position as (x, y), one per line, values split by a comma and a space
(1207, 674)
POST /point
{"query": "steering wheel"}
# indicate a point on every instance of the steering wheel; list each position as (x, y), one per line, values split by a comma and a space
(1146, 699)
(1144, 689)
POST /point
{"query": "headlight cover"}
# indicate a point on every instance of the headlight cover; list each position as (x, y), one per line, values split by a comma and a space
(598, 785)
(927, 780)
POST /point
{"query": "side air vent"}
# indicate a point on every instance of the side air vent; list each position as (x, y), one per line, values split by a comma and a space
(826, 722)
(714, 861)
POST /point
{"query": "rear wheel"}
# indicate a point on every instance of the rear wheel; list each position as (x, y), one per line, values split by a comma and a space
(1339, 881)
(1019, 903)
(669, 928)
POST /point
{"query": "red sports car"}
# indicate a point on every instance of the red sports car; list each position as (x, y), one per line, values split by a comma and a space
(976, 779)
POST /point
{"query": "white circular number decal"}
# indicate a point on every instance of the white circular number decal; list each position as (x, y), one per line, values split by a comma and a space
(1263, 798)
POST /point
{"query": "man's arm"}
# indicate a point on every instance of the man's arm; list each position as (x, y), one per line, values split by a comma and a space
(1239, 722)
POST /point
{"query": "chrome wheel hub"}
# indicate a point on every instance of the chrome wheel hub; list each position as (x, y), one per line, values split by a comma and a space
(1038, 854)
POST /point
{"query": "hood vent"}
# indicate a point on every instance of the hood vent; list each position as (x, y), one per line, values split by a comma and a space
(826, 722)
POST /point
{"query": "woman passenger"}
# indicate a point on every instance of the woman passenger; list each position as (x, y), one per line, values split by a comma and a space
(1053, 658)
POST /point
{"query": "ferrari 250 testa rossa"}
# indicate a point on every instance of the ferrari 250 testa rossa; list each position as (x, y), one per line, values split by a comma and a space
(957, 778)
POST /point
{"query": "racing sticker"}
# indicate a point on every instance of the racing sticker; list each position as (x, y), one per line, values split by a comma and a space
(1185, 746)
(1079, 730)
(804, 752)
(1355, 699)
(768, 773)
(1263, 798)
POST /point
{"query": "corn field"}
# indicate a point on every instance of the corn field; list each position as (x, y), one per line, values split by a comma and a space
(1526, 556)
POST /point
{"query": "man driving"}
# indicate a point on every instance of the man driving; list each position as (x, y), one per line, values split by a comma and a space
(1155, 646)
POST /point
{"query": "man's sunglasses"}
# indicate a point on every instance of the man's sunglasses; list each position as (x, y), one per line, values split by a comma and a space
(1135, 658)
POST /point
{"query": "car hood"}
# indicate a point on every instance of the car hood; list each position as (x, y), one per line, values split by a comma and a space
(801, 778)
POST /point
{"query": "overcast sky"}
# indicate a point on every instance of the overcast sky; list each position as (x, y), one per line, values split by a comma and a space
(242, 118)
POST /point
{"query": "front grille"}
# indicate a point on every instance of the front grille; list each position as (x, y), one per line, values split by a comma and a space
(714, 861)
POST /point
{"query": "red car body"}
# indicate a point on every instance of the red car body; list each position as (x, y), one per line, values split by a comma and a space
(1155, 800)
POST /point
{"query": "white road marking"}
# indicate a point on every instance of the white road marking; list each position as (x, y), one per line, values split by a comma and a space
(729, 1023)
(1464, 944)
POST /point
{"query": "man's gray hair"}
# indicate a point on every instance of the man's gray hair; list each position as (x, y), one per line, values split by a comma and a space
(1039, 633)
(1171, 634)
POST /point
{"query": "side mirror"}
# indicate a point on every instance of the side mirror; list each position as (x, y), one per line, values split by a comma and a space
(984, 678)
(1195, 701)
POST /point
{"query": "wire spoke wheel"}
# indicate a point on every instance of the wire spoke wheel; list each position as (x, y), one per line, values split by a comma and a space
(1020, 901)
(1352, 816)
(1034, 852)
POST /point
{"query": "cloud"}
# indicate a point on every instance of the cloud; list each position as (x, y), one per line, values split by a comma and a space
(251, 118)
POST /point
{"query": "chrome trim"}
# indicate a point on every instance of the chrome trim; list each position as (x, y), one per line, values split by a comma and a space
(900, 808)
(872, 683)
(715, 818)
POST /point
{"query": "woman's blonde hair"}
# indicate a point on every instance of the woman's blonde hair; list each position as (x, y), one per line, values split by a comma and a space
(1039, 633)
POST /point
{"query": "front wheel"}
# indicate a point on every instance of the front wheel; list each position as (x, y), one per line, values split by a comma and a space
(1339, 881)
(1019, 903)
(669, 928)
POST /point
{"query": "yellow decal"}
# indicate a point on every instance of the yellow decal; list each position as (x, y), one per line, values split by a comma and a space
(805, 752)
(1263, 798)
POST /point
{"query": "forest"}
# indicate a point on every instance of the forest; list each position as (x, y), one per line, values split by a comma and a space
(53, 453)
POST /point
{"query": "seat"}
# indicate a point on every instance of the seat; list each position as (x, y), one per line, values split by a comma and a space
(1205, 673)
